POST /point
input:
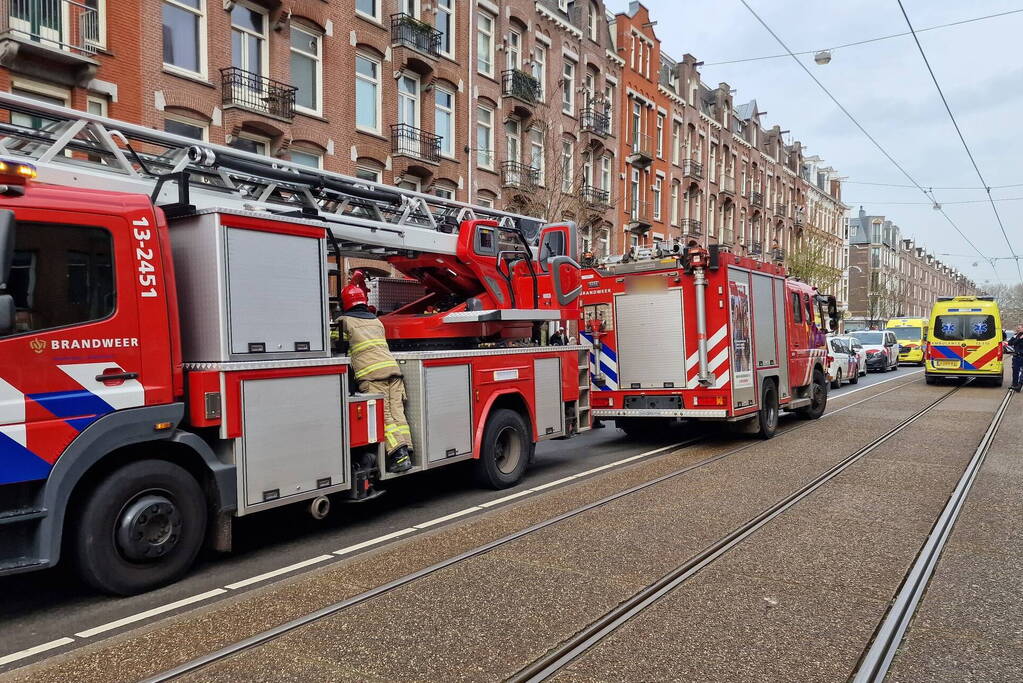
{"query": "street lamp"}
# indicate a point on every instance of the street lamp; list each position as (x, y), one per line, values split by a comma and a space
(823, 57)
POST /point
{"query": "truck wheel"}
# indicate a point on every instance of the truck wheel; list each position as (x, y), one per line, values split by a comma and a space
(506, 449)
(140, 528)
(768, 415)
(818, 397)
(837, 383)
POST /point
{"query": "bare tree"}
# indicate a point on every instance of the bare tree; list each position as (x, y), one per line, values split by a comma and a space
(808, 262)
(884, 301)
(1010, 302)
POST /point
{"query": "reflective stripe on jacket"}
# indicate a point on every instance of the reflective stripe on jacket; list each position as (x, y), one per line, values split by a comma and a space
(371, 358)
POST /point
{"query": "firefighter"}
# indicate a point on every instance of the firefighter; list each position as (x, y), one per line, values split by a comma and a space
(1015, 344)
(376, 372)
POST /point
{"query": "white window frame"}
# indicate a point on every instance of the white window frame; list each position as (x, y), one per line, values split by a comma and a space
(203, 71)
(676, 141)
(447, 145)
(101, 24)
(676, 192)
(568, 89)
(264, 43)
(376, 8)
(540, 67)
(378, 88)
(485, 155)
(416, 98)
(606, 174)
(660, 135)
(538, 154)
(609, 95)
(656, 197)
(489, 34)
(102, 101)
(513, 50)
(592, 22)
(567, 165)
(378, 174)
(309, 153)
(444, 192)
(260, 139)
(449, 10)
(485, 202)
(188, 121)
(318, 63)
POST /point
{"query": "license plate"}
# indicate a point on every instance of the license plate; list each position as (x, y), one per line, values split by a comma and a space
(947, 364)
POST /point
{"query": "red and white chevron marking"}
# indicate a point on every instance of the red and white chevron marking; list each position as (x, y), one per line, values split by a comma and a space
(717, 355)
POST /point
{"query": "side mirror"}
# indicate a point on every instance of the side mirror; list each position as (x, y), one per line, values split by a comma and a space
(7, 313)
(7, 232)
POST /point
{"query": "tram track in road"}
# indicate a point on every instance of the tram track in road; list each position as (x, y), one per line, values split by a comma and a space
(269, 635)
(597, 631)
(877, 658)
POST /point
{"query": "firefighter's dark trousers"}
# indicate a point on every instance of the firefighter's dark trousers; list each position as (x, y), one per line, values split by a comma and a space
(396, 429)
(1017, 370)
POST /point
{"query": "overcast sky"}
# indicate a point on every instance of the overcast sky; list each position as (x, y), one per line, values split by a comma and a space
(885, 85)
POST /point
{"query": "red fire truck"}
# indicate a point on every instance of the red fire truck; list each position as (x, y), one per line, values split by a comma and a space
(165, 332)
(696, 335)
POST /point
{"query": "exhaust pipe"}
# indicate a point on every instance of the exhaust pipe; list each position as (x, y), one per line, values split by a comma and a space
(319, 507)
(704, 377)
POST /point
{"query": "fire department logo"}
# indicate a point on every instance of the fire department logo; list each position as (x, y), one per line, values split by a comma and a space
(38, 345)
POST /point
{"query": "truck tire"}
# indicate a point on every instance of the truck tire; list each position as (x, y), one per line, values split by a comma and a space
(837, 383)
(818, 397)
(767, 418)
(140, 527)
(505, 451)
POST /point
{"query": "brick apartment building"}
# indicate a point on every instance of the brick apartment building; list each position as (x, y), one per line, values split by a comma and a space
(696, 165)
(889, 275)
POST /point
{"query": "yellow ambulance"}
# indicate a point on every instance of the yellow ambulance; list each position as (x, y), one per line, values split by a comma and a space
(911, 334)
(964, 340)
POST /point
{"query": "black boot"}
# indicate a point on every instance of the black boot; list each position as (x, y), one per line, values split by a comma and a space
(399, 461)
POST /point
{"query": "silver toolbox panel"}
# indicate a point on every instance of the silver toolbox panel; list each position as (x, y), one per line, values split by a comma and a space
(293, 437)
(447, 409)
(766, 341)
(780, 302)
(743, 308)
(550, 411)
(651, 347)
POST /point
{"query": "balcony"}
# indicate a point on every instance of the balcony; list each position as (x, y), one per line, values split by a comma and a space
(778, 254)
(520, 85)
(414, 142)
(407, 31)
(516, 174)
(781, 210)
(799, 220)
(51, 39)
(692, 169)
(727, 185)
(640, 219)
(594, 197)
(257, 93)
(641, 154)
(756, 249)
(692, 226)
(592, 121)
(756, 199)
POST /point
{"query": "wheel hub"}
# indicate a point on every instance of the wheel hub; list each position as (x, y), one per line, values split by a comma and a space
(507, 450)
(148, 528)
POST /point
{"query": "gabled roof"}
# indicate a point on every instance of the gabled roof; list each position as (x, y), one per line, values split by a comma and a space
(746, 111)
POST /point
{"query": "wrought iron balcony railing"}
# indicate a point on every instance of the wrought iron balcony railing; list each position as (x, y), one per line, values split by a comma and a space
(781, 210)
(756, 248)
(756, 199)
(517, 174)
(778, 254)
(640, 219)
(59, 24)
(594, 196)
(258, 93)
(593, 121)
(692, 226)
(520, 85)
(641, 151)
(410, 141)
(727, 185)
(692, 169)
(408, 31)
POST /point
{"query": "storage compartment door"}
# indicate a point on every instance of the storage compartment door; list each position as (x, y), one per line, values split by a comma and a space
(275, 291)
(292, 436)
(651, 351)
(550, 411)
(448, 412)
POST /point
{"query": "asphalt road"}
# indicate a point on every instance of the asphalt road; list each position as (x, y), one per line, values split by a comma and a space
(46, 606)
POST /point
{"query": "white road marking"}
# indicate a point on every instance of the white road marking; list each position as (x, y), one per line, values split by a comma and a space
(277, 572)
(498, 501)
(445, 518)
(556, 482)
(884, 381)
(22, 654)
(374, 541)
(109, 626)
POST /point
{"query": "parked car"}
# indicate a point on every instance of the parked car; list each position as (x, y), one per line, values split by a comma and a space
(861, 353)
(842, 363)
(882, 349)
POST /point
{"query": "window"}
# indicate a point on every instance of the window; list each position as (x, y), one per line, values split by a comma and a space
(513, 139)
(592, 25)
(444, 120)
(485, 200)
(485, 44)
(61, 275)
(676, 142)
(568, 89)
(485, 138)
(657, 199)
(444, 192)
(408, 100)
(310, 159)
(254, 144)
(185, 127)
(960, 327)
(367, 93)
(96, 35)
(634, 186)
(540, 68)
(42, 92)
(248, 42)
(676, 191)
(306, 69)
(97, 104)
(369, 173)
(446, 26)
(637, 124)
(566, 166)
(797, 309)
(184, 35)
(660, 136)
(536, 154)
(609, 95)
(370, 8)
(513, 50)
(605, 174)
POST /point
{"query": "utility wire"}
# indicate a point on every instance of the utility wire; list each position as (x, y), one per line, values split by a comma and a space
(994, 208)
(867, 134)
(868, 40)
(967, 201)
(932, 187)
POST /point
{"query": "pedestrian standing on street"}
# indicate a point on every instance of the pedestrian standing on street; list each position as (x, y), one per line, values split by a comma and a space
(377, 372)
(1015, 344)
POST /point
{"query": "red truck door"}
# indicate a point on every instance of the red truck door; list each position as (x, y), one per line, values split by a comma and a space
(74, 352)
(797, 312)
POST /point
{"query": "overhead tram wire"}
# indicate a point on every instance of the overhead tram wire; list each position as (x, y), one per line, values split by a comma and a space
(929, 195)
(868, 40)
(965, 201)
(932, 187)
(969, 153)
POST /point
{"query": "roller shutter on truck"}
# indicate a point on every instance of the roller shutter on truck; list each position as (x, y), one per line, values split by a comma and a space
(651, 347)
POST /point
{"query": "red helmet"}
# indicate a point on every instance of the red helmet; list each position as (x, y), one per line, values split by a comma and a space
(351, 296)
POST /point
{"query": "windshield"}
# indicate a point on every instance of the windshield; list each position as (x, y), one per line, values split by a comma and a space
(960, 327)
(870, 337)
(908, 333)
